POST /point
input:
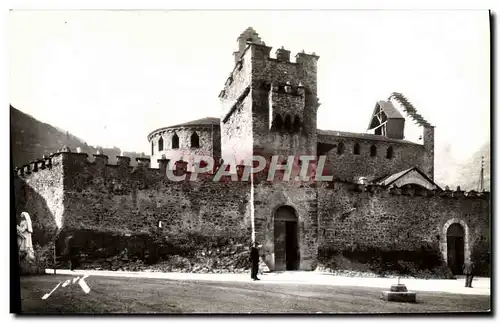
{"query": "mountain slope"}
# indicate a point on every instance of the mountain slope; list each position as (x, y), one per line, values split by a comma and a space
(30, 139)
(468, 173)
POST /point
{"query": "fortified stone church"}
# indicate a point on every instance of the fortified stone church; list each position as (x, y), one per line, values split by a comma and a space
(382, 195)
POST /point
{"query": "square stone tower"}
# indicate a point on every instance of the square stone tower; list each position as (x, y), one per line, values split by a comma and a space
(269, 108)
(269, 105)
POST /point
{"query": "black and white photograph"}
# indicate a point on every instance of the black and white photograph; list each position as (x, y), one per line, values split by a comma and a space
(254, 162)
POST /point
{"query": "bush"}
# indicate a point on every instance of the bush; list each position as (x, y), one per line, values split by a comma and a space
(423, 263)
(44, 256)
(166, 251)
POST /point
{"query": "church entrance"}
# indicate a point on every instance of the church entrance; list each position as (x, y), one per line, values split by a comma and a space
(286, 242)
(455, 248)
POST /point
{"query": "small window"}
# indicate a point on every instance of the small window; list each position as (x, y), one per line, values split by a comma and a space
(390, 153)
(195, 141)
(340, 148)
(288, 123)
(373, 151)
(296, 124)
(152, 148)
(278, 123)
(160, 144)
(356, 149)
(175, 141)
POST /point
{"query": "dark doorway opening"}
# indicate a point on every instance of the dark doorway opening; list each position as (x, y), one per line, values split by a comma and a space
(291, 246)
(286, 241)
(455, 248)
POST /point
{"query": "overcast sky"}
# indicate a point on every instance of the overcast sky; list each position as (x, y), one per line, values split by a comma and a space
(111, 77)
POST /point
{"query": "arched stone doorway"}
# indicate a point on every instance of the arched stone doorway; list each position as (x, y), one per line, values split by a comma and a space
(455, 247)
(286, 239)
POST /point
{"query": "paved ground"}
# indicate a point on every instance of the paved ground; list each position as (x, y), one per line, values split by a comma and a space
(481, 285)
(159, 295)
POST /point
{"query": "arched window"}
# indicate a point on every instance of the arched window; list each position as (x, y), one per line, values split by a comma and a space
(340, 148)
(175, 141)
(152, 148)
(195, 140)
(278, 123)
(160, 144)
(373, 151)
(288, 123)
(296, 124)
(356, 149)
(390, 153)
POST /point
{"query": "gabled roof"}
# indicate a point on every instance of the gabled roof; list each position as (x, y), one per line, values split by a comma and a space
(388, 108)
(397, 177)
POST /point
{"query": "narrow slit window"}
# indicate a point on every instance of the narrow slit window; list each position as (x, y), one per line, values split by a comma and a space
(175, 141)
(195, 140)
(160, 144)
(296, 124)
(390, 153)
(340, 148)
(356, 149)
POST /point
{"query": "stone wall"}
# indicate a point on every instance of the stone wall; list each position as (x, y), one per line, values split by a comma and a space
(125, 199)
(236, 113)
(237, 136)
(349, 166)
(74, 194)
(402, 220)
(95, 199)
(267, 199)
(39, 191)
(207, 139)
(428, 165)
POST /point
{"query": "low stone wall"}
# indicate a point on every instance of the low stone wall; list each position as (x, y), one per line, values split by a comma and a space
(357, 218)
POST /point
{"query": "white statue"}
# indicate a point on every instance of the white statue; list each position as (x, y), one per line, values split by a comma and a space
(24, 231)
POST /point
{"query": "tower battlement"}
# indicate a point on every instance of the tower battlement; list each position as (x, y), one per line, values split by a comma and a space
(381, 191)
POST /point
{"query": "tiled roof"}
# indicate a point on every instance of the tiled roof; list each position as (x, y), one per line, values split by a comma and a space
(208, 121)
(388, 180)
(204, 121)
(391, 178)
(364, 136)
(388, 108)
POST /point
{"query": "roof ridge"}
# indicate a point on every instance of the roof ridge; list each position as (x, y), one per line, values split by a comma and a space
(408, 107)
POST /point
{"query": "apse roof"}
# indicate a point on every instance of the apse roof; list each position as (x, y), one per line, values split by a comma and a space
(208, 121)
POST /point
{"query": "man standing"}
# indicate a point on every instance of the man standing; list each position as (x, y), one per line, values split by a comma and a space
(71, 252)
(254, 257)
(469, 273)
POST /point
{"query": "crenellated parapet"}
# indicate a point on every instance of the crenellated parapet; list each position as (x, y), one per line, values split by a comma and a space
(256, 58)
(405, 191)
